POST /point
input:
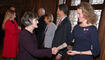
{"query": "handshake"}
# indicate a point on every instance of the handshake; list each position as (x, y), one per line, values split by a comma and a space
(54, 50)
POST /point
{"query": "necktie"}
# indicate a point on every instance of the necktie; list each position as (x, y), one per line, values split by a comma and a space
(60, 21)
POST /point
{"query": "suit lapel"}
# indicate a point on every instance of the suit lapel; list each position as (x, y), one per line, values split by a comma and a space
(62, 23)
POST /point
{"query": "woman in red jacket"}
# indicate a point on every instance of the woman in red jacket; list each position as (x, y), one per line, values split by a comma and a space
(10, 46)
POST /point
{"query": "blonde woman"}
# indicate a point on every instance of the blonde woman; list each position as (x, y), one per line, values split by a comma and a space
(49, 31)
(10, 45)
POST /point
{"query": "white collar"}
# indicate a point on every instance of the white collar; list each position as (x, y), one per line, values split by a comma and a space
(63, 18)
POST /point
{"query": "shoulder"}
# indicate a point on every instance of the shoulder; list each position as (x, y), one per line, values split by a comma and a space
(93, 28)
(8, 21)
(24, 36)
(24, 33)
(52, 26)
(15, 21)
(76, 26)
(67, 21)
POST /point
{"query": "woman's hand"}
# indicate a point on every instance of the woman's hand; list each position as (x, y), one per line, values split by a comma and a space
(58, 57)
(19, 27)
(54, 50)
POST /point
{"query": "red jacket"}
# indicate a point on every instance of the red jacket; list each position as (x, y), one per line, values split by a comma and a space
(10, 46)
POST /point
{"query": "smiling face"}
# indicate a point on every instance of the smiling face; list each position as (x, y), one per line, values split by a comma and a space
(35, 22)
(80, 15)
(14, 16)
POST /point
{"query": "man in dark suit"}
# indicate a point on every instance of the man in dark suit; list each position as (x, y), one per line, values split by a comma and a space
(41, 27)
(63, 32)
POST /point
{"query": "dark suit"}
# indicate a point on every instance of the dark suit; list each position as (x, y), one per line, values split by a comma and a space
(40, 31)
(62, 34)
(28, 49)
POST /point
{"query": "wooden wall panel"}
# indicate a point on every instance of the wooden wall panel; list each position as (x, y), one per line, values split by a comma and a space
(49, 5)
(101, 31)
(27, 5)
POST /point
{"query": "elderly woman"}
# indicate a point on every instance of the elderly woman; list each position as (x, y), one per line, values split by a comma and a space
(28, 48)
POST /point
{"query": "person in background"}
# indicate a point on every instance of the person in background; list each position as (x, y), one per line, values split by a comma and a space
(2, 33)
(10, 45)
(12, 8)
(63, 31)
(49, 31)
(41, 27)
(28, 45)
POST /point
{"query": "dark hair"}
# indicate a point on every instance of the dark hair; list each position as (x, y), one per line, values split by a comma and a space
(27, 18)
(64, 8)
(88, 12)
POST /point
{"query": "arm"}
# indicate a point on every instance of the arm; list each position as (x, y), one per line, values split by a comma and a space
(31, 47)
(67, 38)
(95, 42)
(79, 52)
(49, 35)
(64, 45)
(95, 45)
(68, 42)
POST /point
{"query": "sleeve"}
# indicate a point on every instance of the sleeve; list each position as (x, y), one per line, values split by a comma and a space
(10, 28)
(49, 34)
(95, 42)
(51, 30)
(18, 30)
(28, 45)
(67, 34)
(71, 36)
(67, 37)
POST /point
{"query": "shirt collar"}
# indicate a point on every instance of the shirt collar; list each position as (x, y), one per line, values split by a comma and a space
(63, 18)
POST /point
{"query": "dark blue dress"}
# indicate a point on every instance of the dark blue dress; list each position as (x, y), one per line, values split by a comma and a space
(86, 38)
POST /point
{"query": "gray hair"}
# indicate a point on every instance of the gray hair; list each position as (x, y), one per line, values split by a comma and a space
(43, 11)
(27, 18)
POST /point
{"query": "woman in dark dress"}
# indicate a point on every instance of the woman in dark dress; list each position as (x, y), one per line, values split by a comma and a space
(85, 34)
(28, 48)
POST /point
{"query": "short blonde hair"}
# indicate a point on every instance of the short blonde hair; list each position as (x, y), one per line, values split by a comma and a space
(50, 17)
(88, 12)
